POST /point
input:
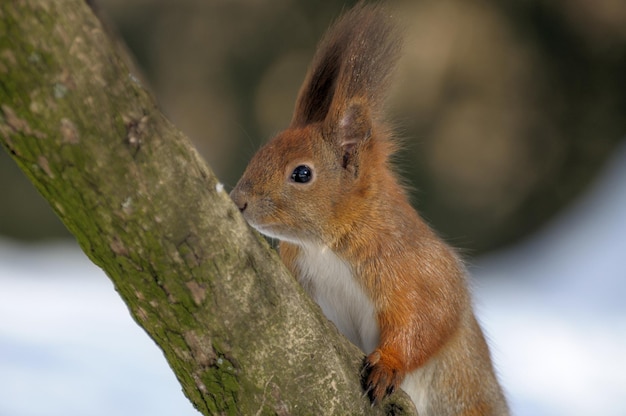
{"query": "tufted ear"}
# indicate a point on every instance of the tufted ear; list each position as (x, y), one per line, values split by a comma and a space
(317, 91)
(353, 62)
(350, 127)
(354, 124)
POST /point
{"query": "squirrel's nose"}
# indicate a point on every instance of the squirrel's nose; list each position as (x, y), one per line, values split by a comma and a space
(238, 198)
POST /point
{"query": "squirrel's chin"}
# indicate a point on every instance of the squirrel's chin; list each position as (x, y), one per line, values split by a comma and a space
(268, 230)
(278, 232)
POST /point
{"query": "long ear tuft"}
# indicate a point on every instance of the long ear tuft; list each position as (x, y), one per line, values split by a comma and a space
(353, 63)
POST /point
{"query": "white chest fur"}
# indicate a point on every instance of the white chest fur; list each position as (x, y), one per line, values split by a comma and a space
(331, 283)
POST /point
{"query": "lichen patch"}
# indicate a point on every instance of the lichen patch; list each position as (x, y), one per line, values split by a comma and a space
(8, 56)
(201, 348)
(60, 90)
(141, 314)
(199, 383)
(118, 247)
(127, 206)
(69, 132)
(17, 124)
(198, 292)
(42, 162)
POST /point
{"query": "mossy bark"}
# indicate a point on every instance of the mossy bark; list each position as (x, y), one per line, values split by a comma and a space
(236, 329)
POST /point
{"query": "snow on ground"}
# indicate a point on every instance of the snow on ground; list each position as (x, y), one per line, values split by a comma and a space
(68, 345)
(553, 307)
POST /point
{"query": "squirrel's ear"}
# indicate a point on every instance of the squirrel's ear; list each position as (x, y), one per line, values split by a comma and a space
(354, 124)
(317, 91)
(352, 127)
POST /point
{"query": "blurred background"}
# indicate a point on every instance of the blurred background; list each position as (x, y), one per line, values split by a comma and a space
(513, 118)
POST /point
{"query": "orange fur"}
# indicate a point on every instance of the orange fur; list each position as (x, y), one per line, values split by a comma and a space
(348, 228)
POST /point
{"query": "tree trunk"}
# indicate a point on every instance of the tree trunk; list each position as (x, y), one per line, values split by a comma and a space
(237, 330)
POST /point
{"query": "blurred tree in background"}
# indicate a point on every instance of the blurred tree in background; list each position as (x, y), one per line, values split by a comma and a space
(507, 109)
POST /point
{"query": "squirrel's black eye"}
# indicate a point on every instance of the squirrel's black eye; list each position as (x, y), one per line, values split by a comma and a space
(302, 174)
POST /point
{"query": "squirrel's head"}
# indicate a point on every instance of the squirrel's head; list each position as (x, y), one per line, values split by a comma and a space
(303, 183)
(313, 179)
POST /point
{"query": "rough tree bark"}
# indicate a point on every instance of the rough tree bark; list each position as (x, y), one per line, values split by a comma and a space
(237, 330)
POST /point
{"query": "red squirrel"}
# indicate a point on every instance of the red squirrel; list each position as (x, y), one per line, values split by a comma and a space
(325, 189)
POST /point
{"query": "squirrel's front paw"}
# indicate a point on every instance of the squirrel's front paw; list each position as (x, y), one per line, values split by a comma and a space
(381, 375)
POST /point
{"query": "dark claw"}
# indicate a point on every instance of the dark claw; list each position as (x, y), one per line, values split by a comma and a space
(365, 372)
(371, 396)
(377, 382)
